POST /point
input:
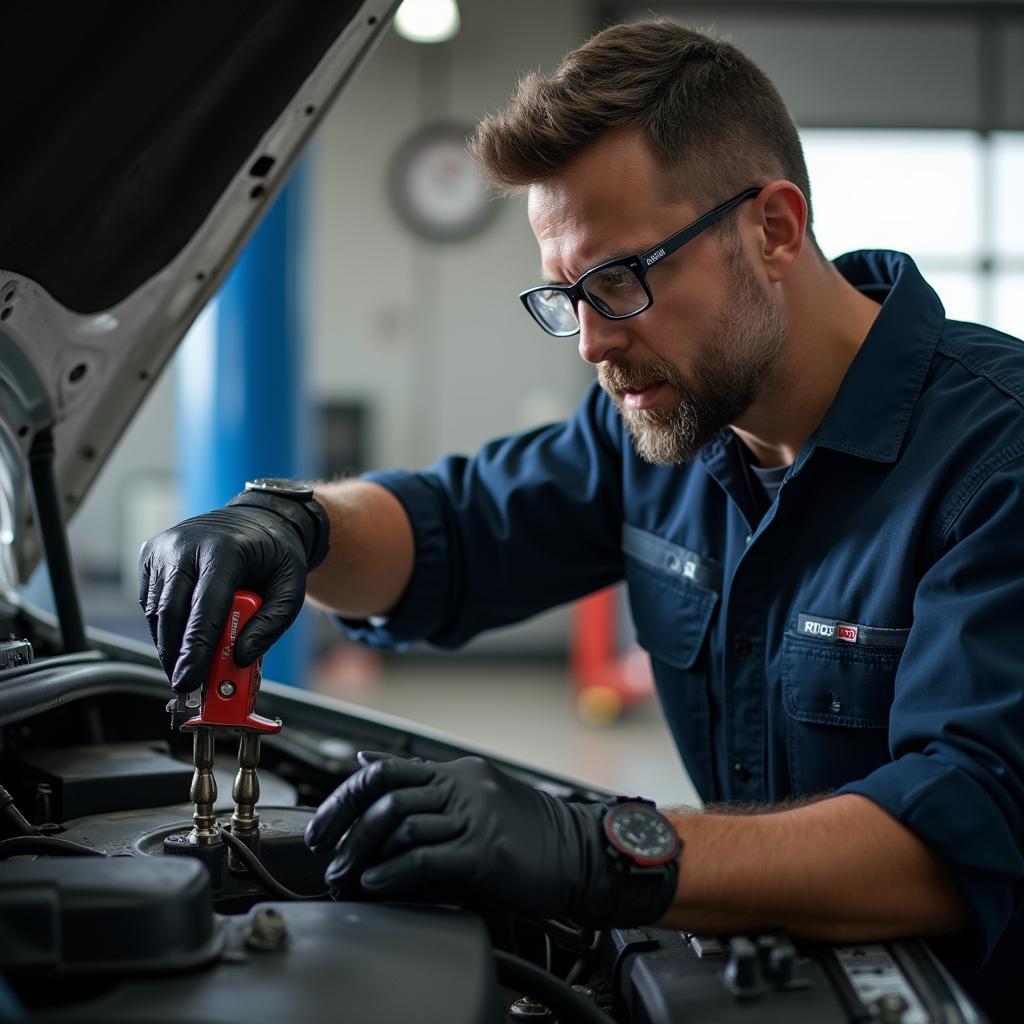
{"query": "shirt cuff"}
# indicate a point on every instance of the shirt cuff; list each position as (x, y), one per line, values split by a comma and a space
(421, 610)
(954, 814)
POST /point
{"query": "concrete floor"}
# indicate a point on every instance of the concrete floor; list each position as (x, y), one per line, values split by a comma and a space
(519, 710)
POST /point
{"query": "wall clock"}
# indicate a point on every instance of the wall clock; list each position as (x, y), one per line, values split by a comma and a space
(437, 189)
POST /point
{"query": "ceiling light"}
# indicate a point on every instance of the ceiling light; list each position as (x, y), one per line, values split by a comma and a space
(427, 21)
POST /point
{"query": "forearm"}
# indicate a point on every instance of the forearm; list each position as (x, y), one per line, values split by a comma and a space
(370, 561)
(839, 870)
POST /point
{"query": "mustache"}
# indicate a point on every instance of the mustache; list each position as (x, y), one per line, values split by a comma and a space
(618, 377)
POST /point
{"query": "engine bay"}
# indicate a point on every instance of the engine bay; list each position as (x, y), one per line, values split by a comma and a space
(111, 915)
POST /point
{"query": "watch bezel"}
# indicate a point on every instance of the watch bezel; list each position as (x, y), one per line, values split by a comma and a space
(286, 488)
(617, 844)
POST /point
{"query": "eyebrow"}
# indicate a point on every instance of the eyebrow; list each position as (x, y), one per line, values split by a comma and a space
(604, 259)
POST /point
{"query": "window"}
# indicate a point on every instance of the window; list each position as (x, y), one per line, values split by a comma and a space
(948, 198)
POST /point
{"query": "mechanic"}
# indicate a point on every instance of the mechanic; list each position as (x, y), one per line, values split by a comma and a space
(813, 484)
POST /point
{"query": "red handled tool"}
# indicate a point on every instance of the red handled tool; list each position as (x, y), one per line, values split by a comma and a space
(229, 695)
(228, 701)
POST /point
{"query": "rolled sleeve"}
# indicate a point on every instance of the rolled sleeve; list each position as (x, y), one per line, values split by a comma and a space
(422, 608)
(531, 521)
(956, 728)
(953, 814)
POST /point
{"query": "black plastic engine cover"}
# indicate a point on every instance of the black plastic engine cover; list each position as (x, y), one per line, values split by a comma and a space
(359, 963)
(95, 779)
(105, 914)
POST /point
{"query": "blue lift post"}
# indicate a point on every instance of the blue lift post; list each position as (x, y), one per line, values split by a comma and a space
(242, 401)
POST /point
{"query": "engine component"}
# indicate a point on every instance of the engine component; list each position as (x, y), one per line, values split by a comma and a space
(85, 780)
(11, 818)
(665, 976)
(161, 832)
(99, 914)
(203, 791)
(14, 652)
(267, 931)
(362, 963)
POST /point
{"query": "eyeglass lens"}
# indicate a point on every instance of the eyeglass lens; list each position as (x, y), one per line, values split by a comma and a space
(554, 310)
(614, 291)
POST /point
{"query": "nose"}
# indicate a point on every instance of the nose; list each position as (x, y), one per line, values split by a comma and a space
(599, 336)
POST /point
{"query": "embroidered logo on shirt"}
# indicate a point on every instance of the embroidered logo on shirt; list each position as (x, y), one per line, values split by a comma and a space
(820, 628)
(815, 627)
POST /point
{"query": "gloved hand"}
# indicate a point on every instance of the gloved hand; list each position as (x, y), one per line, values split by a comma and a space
(463, 831)
(188, 576)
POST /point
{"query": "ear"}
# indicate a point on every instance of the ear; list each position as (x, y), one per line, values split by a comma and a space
(782, 211)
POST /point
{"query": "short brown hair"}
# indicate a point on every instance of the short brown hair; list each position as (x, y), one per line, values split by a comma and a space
(705, 108)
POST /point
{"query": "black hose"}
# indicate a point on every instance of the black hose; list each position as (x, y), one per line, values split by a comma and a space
(23, 845)
(577, 941)
(15, 819)
(555, 994)
(576, 972)
(253, 863)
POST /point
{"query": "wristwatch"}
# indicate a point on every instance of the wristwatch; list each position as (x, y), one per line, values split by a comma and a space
(294, 489)
(640, 838)
(293, 500)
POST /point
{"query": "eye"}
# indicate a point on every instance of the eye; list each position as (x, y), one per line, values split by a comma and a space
(614, 277)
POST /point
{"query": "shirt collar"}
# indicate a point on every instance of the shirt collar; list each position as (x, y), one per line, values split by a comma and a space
(871, 411)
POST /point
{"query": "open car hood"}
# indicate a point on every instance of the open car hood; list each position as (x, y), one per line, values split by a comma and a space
(142, 143)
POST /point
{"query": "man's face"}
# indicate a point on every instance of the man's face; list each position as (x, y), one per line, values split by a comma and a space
(709, 346)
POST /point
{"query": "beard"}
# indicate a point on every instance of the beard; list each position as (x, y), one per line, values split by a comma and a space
(734, 366)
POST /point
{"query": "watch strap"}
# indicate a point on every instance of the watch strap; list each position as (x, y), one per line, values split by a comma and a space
(612, 891)
(307, 515)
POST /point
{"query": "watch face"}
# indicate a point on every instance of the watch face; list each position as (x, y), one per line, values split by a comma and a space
(278, 485)
(642, 834)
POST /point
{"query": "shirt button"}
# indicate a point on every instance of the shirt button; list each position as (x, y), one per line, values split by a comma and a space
(741, 646)
(750, 537)
(741, 771)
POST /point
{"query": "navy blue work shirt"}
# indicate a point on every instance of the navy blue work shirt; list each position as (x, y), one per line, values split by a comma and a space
(865, 636)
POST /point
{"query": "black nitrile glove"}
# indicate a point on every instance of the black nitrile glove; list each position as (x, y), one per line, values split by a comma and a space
(188, 576)
(465, 832)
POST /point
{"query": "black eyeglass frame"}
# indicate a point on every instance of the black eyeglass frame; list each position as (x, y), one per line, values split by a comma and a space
(639, 263)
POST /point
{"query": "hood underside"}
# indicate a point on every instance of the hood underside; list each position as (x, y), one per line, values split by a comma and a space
(142, 142)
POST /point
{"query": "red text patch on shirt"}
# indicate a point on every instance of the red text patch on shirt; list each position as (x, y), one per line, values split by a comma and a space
(847, 633)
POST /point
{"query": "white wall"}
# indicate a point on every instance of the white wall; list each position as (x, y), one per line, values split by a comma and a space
(432, 334)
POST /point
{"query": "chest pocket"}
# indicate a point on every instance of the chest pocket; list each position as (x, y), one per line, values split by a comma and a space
(672, 595)
(838, 683)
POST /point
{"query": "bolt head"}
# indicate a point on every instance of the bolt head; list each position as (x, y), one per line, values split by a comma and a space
(267, 931)
(226, 688)
(529, 1009)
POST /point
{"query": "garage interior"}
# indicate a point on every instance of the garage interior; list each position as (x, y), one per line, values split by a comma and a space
(246, 240)
(413, 348)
